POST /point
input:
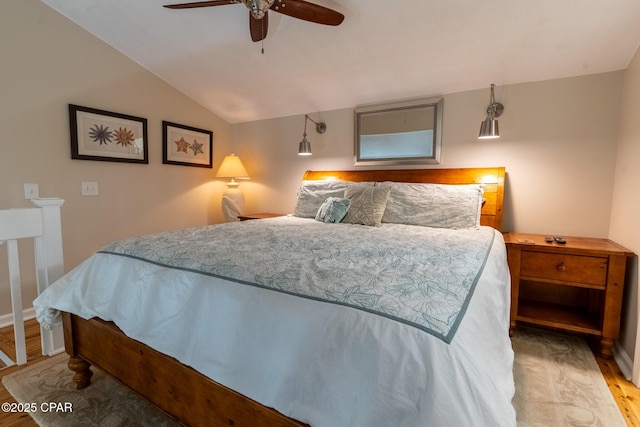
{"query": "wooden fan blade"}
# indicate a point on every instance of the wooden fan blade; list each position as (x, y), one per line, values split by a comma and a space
(200, 4)
(308, 12)
(258, 27)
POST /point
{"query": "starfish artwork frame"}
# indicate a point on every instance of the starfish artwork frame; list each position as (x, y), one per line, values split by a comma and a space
(186, 145)
(107, 136)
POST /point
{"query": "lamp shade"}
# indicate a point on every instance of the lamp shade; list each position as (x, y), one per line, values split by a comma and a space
(304, 149)
(489, 129)
(232, 167)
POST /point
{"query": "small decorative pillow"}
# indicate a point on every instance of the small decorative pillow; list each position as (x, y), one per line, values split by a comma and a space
(367, 204)
(333, 210)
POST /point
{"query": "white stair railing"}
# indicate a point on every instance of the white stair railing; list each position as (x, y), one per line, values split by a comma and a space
(43, 225)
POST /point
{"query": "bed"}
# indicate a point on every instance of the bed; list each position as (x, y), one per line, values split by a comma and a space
(271, 322)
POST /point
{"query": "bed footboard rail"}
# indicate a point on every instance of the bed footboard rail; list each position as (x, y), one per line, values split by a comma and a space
(179, 390)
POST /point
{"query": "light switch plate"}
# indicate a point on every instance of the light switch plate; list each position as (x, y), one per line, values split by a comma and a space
(90, 188)
(31, 191)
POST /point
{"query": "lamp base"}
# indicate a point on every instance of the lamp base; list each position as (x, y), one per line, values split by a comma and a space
(232, 204)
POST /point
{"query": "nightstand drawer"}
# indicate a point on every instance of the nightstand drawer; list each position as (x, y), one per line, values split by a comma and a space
(571, 268)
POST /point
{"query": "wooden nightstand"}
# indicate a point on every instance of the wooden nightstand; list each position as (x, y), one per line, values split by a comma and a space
(574, 287)
(261, 215)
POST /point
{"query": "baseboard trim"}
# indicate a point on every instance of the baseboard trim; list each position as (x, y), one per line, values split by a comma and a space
(7, 319)
(623, 360)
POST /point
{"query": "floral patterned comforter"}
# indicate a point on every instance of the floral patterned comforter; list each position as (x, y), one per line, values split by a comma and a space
(423, 277)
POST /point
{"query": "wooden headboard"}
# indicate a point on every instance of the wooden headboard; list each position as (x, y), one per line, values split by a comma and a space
(492, 177)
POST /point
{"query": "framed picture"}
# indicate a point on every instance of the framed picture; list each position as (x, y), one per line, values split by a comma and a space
(107, 136)
(186, 145)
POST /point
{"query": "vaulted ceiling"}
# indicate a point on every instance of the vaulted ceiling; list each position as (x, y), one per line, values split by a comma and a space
(384, 49)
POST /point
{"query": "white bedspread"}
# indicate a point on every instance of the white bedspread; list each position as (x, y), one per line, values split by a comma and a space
(325, 364)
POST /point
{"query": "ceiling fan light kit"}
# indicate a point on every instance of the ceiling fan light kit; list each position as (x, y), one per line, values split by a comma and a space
(258, 12)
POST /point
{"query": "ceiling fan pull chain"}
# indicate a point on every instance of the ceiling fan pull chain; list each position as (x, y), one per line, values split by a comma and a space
(262, 41)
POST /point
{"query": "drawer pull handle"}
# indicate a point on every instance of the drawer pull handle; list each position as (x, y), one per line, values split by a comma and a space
(562, 267)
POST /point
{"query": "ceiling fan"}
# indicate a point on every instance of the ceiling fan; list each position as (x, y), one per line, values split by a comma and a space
(259, 19)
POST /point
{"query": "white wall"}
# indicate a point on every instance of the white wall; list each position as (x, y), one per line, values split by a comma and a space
(558, 145)
(626, 204)
(49, 62)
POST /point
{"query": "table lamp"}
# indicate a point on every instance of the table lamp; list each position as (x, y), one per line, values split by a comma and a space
(232, 198)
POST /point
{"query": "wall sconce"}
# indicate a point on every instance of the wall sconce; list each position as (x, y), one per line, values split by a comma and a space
(232, 198)
(489, 128)
(304, 149)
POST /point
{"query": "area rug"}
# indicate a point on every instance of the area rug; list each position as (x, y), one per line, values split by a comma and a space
(105, 403)
(559, 383)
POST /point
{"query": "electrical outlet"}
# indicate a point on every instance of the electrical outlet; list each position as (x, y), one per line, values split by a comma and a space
(90, 189)
(31, 191)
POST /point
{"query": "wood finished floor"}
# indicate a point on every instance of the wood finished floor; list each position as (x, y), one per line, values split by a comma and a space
(626, 395)
(34, 355)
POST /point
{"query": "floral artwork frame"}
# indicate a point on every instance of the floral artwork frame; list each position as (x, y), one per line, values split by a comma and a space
(186, 145)
(107, 136)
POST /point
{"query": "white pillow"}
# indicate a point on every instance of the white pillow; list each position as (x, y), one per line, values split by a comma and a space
(434, 205)
(312, 194)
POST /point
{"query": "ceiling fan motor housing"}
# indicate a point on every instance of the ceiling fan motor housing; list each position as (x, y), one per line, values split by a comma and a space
(258, 8)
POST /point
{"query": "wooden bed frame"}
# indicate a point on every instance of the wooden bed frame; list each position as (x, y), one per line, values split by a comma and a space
(189, 396)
